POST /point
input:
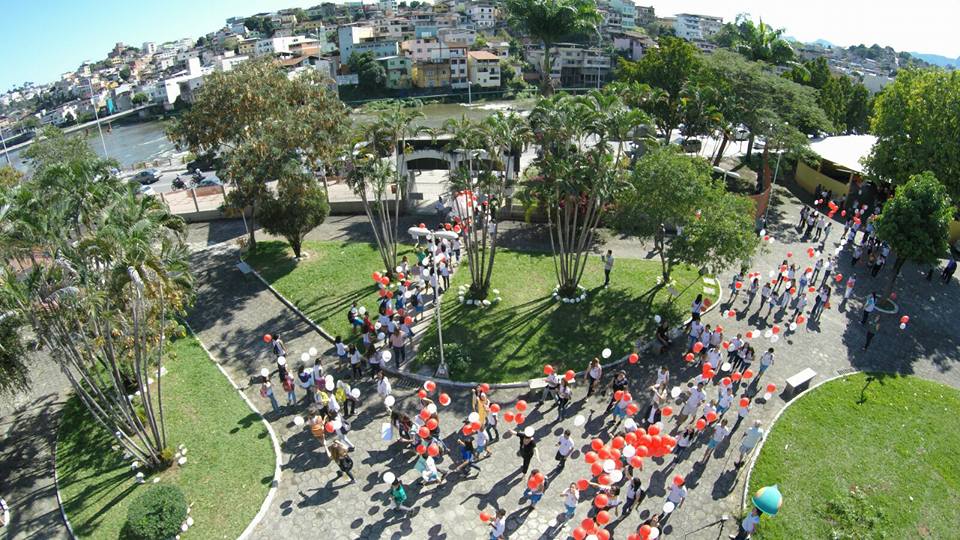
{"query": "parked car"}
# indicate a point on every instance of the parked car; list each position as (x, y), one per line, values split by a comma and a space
(205, 162)
(147, 191)
(691, 145)
(210, 181)
(741, 133)
(147, 176)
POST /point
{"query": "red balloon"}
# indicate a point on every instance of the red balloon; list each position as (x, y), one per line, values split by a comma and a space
(725, 381)
(839, 278)
(905, 319)
(633, 358)
(632, 409)
(494, 407)
(596, 469)
(446, 226)
(518, 418)
(645, 531)
(800, 319)
(601, 501)
(617, 395)
(678, 480)
(532, 483)
(421, 393)
(653, 430)
(539, 477)
(329, 427)
(731, 313)
(738, 285)
(432, 424)
(636, 462)
(631, 438)
(408, 320)
(267, 338)
(749, 334)
(725, 345)
(603, 534)
(521, 405)
(547, 369)
(444, 399)
(583, 483)
(735, 376)
(385, 280)
(475, 426)
(603, 517)
(604, 453)
(485, 517)
(421, 449)
(701, 423)
(697, 347)
(430, 386)
(688, 357)
(771, 388)
(569, 375)
(424, 432)
(579, 533)
(596, 444)
(485, 388)
(711, 417)
(376, 276)
(618, 442)
(467, 430)
(642, 451)
(775, 329)
(744, 402)
(382, 293)
(422, 226)
(666, 411)
(588, 524)
(508, 416)
(747, 374)
(433, 450)
(590, 457)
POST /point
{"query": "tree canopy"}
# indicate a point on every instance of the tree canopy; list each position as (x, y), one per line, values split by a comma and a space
(917, 124)
(757, 41)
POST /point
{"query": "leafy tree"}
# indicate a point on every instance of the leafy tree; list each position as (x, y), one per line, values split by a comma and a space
(231, 43)
(300, 14)
(125, 73)
(917, 123)
(9, 177)
(916, 222)
(550, 21)
(670, 190)
(480, 43)
(760, 42)
(415, 4)
(299, 207)
(139, 98)
(371, 74)
(30, 122)
(859, 108)
(260, 24)
(580, 170)
(670, 68)
(13, 353)
(254, 117)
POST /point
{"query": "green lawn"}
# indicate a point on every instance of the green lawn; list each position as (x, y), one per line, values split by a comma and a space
(230, 455)
(512, 340)
(326, 283)
(865, 457)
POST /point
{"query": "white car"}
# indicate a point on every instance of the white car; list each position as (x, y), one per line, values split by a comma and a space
(147, 191)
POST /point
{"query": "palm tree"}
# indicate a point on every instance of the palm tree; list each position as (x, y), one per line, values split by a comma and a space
(761, 42)
(549, 21)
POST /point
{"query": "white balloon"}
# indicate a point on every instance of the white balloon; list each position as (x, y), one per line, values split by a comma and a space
(657, 319)
(768, 333)
(298, 420)
(389, 401)
(313, 351)
(377, 326)
(337, 423)
(579, 420)
(628, 451)
(264, 372)
(473, 417)
(362, 310)
(305, 357)
(389, 477)
(774, 338)
(630, 424)
(763, 232)
(528, 431)
(355, 393)
(903, 326)
(329, 386)
(432, 409)
(616, 475)
(654, 533)
(282, 360)
(386, 356)
(381, 336)
(793, 326)
(591, 537)
(772, 273)
(675, 392)
(668, 507)
(328, 378)
(767, 396)
(609, 465)
(606, 353)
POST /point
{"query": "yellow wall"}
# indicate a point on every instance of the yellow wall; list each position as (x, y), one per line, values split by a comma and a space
(809, 178)
(954, 231)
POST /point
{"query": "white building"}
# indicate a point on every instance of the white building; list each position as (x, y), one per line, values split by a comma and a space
(482, 15)
(350, 35)
(279, 44)
(460, 35)
(388, 6)
(149, 47)
(696, 27)
(484, 69)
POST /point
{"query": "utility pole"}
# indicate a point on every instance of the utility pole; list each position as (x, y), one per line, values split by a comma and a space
(96, 115)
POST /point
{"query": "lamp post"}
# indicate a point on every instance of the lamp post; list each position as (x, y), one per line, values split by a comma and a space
(4, 142)
(96, 115)
(417, 232)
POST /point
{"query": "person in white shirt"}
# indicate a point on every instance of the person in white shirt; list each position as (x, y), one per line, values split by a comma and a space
(564, 449)
(571, 496)
(607, 267)
(719, 434)
(498, 526)
(696, 328)
(692, 404)
(677, 495)
(750, 439)
(553, 382)
(663, 376)
(384, 388)
(735, 344)
(748, 526)
(766, 360)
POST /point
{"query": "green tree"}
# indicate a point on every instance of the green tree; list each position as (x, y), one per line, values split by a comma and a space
(756, 41)
(917, 123)
(30, 122)
(670, 68)
(915, 222)
(255, 118)
(480, 43)
(9, 177)
(13, 355)
(125, 73)
(371, 74)
(668, 190)
(260, 24)
(859, 108)
(139, 98)
(550, 21)
(299, 207)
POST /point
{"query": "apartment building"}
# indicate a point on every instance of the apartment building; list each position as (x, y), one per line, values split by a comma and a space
(696, 27)
(431, 74)
(574, 66)
(460, 35)
(482, 15)
(632, 44)
(645, 16)
(281, 44)
(484, 69)
(399, 71)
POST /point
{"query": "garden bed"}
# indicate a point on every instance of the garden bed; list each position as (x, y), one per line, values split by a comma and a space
(230, 458)
(865, 456)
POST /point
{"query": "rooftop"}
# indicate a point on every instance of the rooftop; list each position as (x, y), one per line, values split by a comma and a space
(483, 55)
(845, 150)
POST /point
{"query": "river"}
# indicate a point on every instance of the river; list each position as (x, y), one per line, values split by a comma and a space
(137, 143)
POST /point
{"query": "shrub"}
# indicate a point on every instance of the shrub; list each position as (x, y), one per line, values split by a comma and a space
(156, 514)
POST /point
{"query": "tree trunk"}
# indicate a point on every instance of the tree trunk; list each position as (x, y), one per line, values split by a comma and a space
(723, 147)
(296, 244)
(750, 147)
(253, 221)
(546, 84)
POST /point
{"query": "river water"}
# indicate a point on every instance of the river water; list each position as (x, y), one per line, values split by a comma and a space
(137, 143)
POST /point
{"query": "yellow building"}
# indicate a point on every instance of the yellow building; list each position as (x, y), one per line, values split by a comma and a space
(431, 74)
(840, 164)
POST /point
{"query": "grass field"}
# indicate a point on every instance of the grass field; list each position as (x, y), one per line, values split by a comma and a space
(326, 283)
(866, 456)
(230, 457)
(515, 338)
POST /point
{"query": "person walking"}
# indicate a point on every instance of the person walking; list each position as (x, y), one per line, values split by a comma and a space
(535, 489)
(279, 349)
(607, 267)
(340, 454)
(948, 271)
(498, 525)
(872, 330)
(399, 496)
(564, 395)
(528, 449)
(564, 449)
(766, 360)
(750, 439)
(720, 433)
(384, 388)
(397, 343)
(289, 387)
(493, 419)
(594, 373)
(869, 306)
(467, 453)
(618, 384)
(571, 496)
(634, 496)
(692, 404)
(266, 391)
(748, 526)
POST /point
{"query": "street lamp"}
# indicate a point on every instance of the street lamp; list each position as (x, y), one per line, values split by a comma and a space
(96, 115)
(417, 233)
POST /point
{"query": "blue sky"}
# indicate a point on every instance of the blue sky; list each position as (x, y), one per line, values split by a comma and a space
(43, 38)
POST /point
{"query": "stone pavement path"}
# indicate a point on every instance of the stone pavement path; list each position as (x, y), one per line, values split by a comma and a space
(28, 423)
(234, 311)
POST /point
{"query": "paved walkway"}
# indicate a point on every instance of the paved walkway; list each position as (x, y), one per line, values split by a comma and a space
(236, 310)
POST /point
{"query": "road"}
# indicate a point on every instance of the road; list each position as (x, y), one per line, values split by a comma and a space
(167, 176)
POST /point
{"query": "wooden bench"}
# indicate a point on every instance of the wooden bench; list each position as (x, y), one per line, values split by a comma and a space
(799, 381)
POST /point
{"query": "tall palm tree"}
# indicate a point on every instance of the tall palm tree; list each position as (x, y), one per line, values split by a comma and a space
(549, 21)
(761, 42)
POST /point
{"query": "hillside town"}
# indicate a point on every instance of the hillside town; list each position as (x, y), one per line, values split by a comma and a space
(383, 49)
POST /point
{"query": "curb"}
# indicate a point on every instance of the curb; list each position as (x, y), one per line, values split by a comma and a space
(458, 384)
(756, 453)
(56, 482)
(273, 437)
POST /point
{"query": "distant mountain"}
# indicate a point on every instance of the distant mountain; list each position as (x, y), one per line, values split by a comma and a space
(937, 59)
(823, 43)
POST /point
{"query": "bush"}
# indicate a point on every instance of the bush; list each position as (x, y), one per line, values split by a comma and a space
(156, 514)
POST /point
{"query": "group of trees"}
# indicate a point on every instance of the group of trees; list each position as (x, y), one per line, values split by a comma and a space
(267, 127)
(98, 273)
(846, 102)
